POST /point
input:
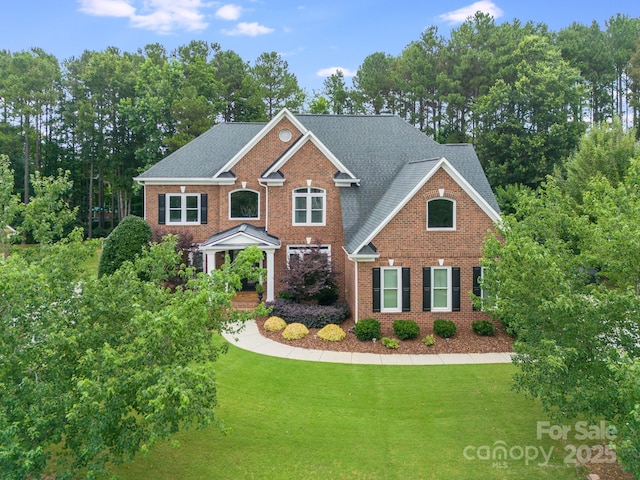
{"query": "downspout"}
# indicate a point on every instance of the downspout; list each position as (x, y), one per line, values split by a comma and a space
(266, 205)
(355, 287)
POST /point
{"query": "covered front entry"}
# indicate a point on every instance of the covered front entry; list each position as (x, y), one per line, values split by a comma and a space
(237, 238)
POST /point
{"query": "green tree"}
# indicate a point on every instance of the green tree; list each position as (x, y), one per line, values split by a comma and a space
(337, 93)
(564, 277)
(124, 243)
(319, 105)
(606, 150)
(373, 81)
(589, 50)
(275, 85)
(48, 212)
(95, 370)
(9, 202)
(530, 121)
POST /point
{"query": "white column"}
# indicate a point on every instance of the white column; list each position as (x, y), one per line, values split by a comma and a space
(211, 261)
(270, 281)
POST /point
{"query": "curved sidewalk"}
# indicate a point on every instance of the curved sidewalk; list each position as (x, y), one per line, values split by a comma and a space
(251, 339)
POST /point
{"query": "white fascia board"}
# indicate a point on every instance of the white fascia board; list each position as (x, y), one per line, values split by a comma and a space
(472, 192)
(185, 181)
(459, 179)
(310, 137)
(259, 136)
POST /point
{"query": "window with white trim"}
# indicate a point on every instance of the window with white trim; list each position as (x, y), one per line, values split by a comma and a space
(440, 289)
(183, 208)
(301, 250)
(309, 206)
(244, 204)
(391, 289)
(441, 214)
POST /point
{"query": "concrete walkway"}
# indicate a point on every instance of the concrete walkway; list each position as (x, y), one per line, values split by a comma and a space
(251, 339)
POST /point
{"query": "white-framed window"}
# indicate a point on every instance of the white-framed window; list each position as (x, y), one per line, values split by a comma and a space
(244, 204)
(301, 250)
(441, 214)
(441, 289)
(390, 289)
(183, 208)
(309, 206)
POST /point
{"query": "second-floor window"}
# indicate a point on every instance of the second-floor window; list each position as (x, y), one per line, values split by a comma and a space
(309, 206)
(183, 208)
(244, 204)
(441, 214)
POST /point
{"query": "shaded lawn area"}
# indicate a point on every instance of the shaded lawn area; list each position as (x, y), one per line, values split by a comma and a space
(304, 420)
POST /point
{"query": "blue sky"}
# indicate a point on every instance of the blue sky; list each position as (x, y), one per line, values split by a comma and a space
(314, 37)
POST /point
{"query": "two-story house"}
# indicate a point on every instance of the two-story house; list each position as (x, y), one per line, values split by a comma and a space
(401, 217)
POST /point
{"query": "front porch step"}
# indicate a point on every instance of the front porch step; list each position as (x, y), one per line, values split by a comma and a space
(245, 300)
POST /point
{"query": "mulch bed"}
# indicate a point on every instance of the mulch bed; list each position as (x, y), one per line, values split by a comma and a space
(464, 341)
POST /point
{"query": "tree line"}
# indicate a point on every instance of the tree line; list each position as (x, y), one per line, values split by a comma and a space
(520, 93)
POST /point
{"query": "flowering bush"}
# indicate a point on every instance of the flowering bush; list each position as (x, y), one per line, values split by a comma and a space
(295, 331)
(332, 333)
(274, 324)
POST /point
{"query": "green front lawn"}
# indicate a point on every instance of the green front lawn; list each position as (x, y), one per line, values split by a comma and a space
(305, 420)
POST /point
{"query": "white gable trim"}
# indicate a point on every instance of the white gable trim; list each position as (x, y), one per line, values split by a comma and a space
(284, 113)
(310, 137)
(459, 179)
(238, 240)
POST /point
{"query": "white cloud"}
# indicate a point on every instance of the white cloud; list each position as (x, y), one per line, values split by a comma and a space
(327, 72)
(162, 16)
(252, 29)
(229, 12)
(107, 8)
(462, 14)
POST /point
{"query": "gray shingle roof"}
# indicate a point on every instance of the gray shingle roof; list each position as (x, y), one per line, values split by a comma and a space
(388, 155)
(205, 155)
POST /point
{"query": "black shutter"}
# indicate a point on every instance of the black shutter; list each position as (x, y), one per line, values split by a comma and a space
(477, 291)
(376, 289)
(406, 289)
(455, 293)
(162, 214)
(426, 289)
(204, 208)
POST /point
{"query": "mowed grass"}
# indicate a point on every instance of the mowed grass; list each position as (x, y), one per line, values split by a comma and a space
(291, 419)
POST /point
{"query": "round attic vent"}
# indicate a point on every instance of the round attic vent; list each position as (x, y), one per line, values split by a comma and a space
(284, 135)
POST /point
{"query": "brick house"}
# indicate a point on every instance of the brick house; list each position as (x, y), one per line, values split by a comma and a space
(402, 217)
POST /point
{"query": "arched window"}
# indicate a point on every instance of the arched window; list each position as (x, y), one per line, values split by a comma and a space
(244, 204)
(309, 206)
(441, 214)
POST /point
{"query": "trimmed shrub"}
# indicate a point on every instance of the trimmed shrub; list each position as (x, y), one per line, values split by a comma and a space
(367, 329)
(274, 324)
(406, 329)
(391, 343)
(429, 340)
(484, 328)
(311, 316)
(332, 333)
(444, 328)
(125, 242)
(295, 331)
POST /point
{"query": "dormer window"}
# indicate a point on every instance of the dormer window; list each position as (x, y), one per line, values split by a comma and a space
(309, 206)
(441, 214)
(244, 204)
